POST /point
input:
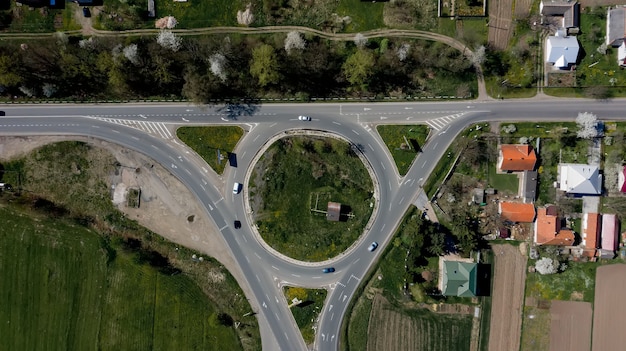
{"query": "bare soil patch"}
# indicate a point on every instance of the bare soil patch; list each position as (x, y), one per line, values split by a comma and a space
(609, 308)
(508, 295)
(566, 79)
(570, 327)
(501, 25)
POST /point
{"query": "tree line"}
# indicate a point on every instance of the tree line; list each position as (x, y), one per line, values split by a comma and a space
(227, 67)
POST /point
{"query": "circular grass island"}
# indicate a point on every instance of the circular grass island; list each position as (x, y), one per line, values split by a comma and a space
(290, 189)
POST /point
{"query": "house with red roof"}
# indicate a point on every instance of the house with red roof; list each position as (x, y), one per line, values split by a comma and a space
(591, 225)
(516, 157)
(517, 212)
(621, 179)
(610, 230)
(548, 229)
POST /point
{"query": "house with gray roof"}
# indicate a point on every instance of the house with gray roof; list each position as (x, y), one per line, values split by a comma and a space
(562, 50)
(566, 12)
(616, 32)
(580, 179)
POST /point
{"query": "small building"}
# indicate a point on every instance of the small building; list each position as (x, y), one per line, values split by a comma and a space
(460, 279)
(478, 196)
(548, 229)
(516, 157)
(590, 234)
(580, 179)
(517, 212)
(568, 12)
(333, 213)
(562, 50)
(615, 26)
(610, 231)
(504, 233)
(529, 186)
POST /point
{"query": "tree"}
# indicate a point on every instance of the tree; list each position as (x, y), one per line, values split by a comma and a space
(360, 40)
(437, 243)
(9, 68)
(225, 319)
(479, 56)
(218, 65)
(131, 53)
(294, 40)
(169, 40)
(546, 265)
(403, 51)
(264, 65)
(588, 125)
(358, 67)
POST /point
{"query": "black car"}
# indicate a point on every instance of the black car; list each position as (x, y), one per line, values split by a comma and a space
(237, 224)
(328, 270)
(86, 12)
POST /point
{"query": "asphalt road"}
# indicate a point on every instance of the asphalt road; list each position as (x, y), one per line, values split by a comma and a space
(148, 128)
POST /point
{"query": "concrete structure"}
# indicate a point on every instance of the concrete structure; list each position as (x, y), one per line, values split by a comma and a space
(580, 179)
(561, 50)
(334, 211)
(516, 157)
(459, 279)
(517, 212)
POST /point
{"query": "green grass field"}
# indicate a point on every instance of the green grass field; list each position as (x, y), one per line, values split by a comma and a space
(307, 312)
(578, 277)
(394, 136)
(503, 182)
(206, 141)
(69, 292)
(298, 174)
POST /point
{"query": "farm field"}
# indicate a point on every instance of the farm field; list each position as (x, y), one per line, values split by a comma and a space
(396, 138)
(71, 290)
(507, 297)
(570, 328)
(609, 309)
(393, 329)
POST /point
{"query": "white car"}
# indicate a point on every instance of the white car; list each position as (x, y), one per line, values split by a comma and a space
(236, 188)
(372, 247)
(304, 118)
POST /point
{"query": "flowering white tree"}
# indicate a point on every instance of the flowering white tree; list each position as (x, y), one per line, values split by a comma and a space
(131, 53)
(245, 17)
(87, 44)
(403, 51)
(169, 40)
(511, 128)
(61, 38)
(545, 266)
(294, 40)
(587, 124)
(479, 55)
(48, 89)
(218, 65)
(27, 91)
(360, 40)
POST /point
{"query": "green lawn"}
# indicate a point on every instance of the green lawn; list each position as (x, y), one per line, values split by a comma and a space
(294, 175)
(503, 182)
(67, 289)
(308, 311)
(364, 15)
(404, 143)
(578, 277)
(206, 141)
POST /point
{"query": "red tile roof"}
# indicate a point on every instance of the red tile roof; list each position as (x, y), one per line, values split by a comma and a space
(517, 212)
(548, 229)
(516, 157)
(591, 233)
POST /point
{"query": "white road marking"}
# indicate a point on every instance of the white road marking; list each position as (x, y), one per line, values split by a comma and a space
(330, 308)
(245, 239)
(337, 123)
(224, 227)
(247, 259)
(355, 132)
(435, 146)
(355, 261)
(257, 255)
(134, 137)
(210, 207)
(332, 316)
(424, 164)
(259, 280)
(370, 145)
(256, 137)
(382, 164)
(296, 275)
(276, 268)
(276, 314)
(402, 199)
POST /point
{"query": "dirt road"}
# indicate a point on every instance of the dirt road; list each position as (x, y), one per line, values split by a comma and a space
(507, 298)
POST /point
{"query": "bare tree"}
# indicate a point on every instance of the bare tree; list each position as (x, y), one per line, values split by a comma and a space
(360, 40)
(403, 51)
(218, 65)
(479, 55)
(131, 53)
(169, 40)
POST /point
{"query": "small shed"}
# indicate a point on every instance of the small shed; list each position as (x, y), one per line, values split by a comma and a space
(334, 211)
(478, 196)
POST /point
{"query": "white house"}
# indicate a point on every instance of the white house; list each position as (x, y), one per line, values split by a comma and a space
(580, 179)
(561, 50)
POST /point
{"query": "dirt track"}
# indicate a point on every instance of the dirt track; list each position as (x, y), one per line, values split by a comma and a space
(609, 308)
(508, 295)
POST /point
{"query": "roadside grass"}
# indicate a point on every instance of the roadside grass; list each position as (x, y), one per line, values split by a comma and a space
(85, 294)
(70, 182)
(496, 90)
(594, 68)
(396, 136)
(307, 312)
(199, 14)
(436, 178)
(359, 318)
(579, 277)
(539, 130)
(364, 15)
(206, 141)
(291, 187)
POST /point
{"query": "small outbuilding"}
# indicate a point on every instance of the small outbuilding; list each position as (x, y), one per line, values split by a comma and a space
(333, 213)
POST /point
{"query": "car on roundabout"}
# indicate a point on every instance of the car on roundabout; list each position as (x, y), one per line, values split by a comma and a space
(237, 224)
(372, 247)
(304, 118)
(328, 270)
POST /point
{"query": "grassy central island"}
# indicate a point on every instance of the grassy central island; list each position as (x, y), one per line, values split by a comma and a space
(290, 189)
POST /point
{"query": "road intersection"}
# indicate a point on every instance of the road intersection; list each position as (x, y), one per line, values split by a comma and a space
(150, 128)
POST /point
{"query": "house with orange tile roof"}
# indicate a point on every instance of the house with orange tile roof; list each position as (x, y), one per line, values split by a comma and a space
(516, 157)
(548, 229)
(517, 212)
(591, 234)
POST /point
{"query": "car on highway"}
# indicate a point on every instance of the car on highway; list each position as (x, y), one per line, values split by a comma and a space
(236, 188)
(373, 246)
(237, 224)
(304, 118)
(328, 270)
